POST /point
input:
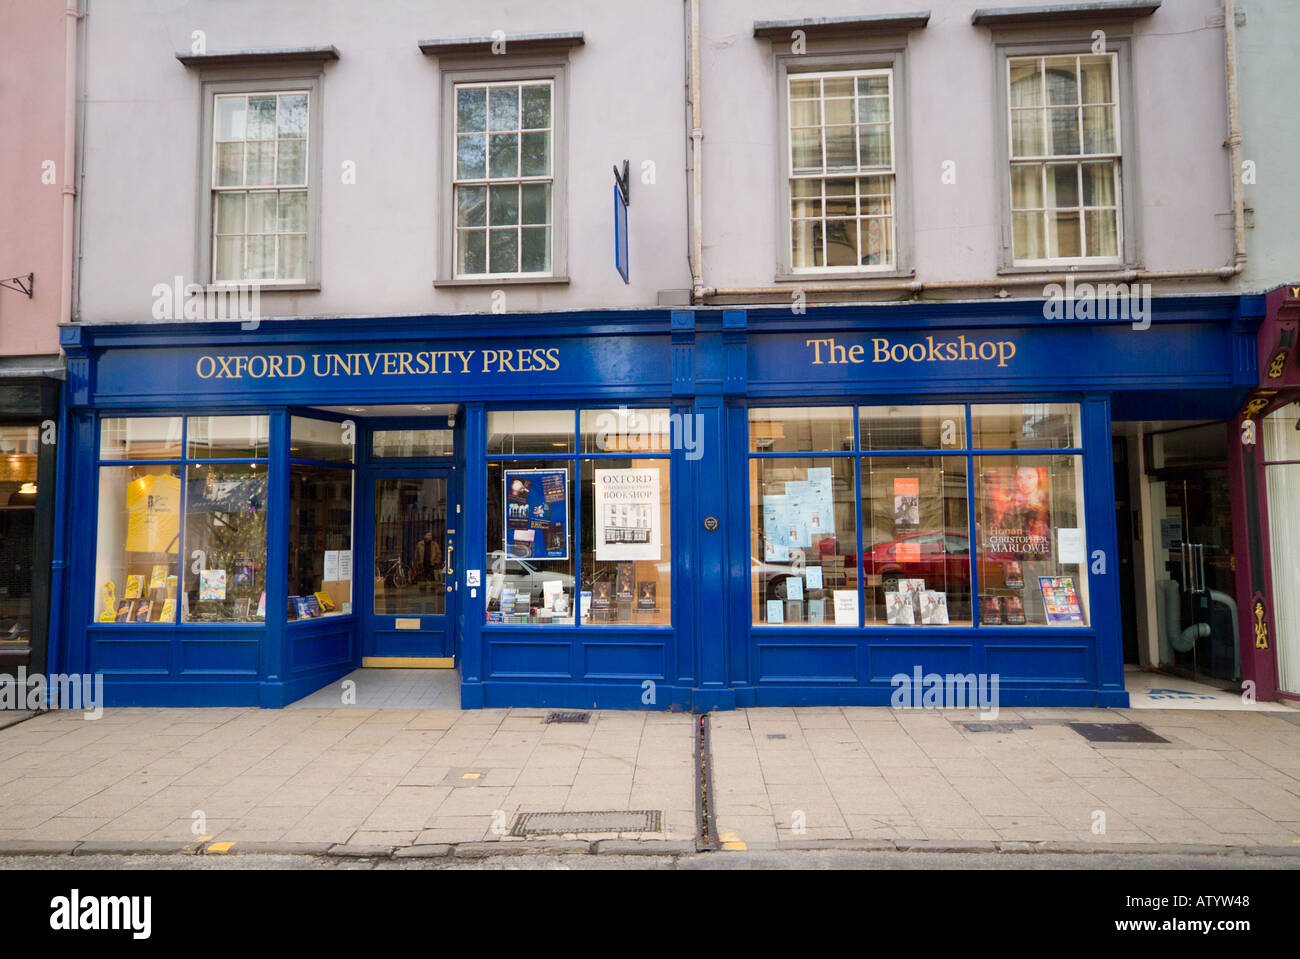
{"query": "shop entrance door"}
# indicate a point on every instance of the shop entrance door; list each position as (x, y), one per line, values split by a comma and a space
(1199, 613)
(411, 607)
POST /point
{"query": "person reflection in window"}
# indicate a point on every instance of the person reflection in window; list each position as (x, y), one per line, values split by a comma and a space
(428, 560)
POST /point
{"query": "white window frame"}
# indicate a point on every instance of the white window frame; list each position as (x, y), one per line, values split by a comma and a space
(891, 173)
(269, 84)
(1043, 160)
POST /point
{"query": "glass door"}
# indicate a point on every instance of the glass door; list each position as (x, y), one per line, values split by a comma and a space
(413, 599)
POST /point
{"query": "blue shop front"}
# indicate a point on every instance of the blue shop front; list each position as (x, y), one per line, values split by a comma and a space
(690, 509)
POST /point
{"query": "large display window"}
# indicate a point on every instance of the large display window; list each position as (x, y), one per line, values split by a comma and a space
(321, 492)
(616, 569)
(152, 567)
(926, 515)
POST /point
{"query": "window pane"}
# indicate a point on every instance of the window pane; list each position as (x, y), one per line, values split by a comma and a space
(224, 437)
(291, 162)
(1031, 541)
(1103, 235)
(471, 206)
(631, 431)
(261, 118)
(805, 113)
(230, 258)
(536, 154)
(261, 258)
(626, 543)
(805, 89)
(138, 540)
(536, 202)
(875, 145)
(140, 438)
(1096, 72)
(529, 541)
(838, 86)
(1062, 81)
(225, 523)
(291, 259)
(1026, 426)
(912, 427)
(503, 108)
(839, 111)
(230, 212)
(877, 241)
(293, 211)
(1026, 186)
(410, 546)
(530, 431)
(1026, 83)
(803, 535)
(873, 86)
(1026, 133)
(537, 106)
(808, 246)
(261, 212)
(1063, 129)
(320, 440)
(1030, 243)
(1063, 233)
(292, 118)
(807, 147)
(841, 243)
(535, 250)
(230, 164)
(471, 157)
(471, 251)
(231, 114)
(1062, 184)
(916, 541)
(1099, 130)
(1099, 184)
(504, 160)
(412, 443)
(259, 160)
(873, 110)
(471, 110)
(503, 205)
(813, 429)
(503, 251)
(320, 541)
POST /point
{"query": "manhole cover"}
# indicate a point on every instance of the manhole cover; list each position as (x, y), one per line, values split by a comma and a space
(552, 823)
(1116, 733)
(567, 717)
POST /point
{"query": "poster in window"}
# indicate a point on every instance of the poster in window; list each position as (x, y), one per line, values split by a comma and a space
(1017, 513)
(907, 503)
(153, 504)
(627, 514)
(800, 516)
(537, 513)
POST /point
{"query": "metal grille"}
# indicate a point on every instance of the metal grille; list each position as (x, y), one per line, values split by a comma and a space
(567, 717)
(1116, 733)
(994, 727)
(607, 820)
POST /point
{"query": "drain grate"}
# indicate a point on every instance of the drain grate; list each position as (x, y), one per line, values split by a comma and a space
(567, 717)
(1116, 733)
(776, 735)
(608, 820)
(994, 727)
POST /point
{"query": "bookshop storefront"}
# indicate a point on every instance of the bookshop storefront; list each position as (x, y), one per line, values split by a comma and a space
(643, 509)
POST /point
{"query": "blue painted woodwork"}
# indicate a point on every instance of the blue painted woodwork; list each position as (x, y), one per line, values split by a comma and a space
(1198, 358)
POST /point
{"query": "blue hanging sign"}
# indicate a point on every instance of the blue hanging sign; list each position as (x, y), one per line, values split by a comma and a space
(537, 513)
(620, 233)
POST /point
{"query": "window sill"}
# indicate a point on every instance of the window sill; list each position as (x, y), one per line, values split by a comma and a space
(308, 287)
(853, 276)
(504, 281)
(1068, 266)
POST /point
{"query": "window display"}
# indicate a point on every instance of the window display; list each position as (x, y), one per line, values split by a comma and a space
(225, 543)
(529, 549)
(18, 478)
(320, 541)
(626, 542)
(138, 540)
(915, 517)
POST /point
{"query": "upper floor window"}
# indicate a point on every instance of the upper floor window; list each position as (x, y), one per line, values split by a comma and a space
(259, 187)
(504, 178)
(841, 170)
(1064, 130)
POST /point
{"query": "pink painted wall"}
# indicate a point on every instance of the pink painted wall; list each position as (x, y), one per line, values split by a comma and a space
(31, 211)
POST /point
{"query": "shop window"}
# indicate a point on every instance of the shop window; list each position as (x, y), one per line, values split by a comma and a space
(322, 440)
(320, 540)
(19, 446)
(225, 543)
(923, 493)
(221, 487)
(803, 526)
(1030, 527)
(1064, 126)
(1281, 447)
(623, 556)
(138, 538)
(412, 443)
(841, 171)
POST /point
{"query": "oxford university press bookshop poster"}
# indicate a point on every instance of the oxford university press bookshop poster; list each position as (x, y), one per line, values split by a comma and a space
(627, 514)
(537, 513)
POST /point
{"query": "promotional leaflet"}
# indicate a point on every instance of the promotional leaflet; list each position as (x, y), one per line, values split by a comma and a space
(1060, 599)
(799, 517)
(627, 514)
(537, 513)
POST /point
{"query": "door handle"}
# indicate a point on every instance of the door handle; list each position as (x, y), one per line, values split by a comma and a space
(451, 554)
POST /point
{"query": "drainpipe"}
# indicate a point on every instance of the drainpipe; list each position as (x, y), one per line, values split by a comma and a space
(697, 137)
(1234, 136)
(70, 18)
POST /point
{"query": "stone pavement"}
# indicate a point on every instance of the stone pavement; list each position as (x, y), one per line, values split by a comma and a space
(363, 779)
(787, 776)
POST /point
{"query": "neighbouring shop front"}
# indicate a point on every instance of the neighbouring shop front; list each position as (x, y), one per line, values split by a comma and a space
(639, 509)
